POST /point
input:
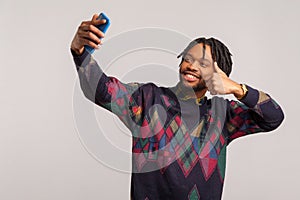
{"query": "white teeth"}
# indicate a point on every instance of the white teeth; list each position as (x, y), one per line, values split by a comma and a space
(191, 76)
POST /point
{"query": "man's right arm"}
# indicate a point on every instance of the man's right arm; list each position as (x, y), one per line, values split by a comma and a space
(88, 71)
(105, 91)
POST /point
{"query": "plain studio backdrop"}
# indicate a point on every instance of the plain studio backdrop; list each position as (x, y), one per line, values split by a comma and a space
(42, 152)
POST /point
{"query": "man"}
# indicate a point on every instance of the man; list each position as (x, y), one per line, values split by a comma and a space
(179, 135)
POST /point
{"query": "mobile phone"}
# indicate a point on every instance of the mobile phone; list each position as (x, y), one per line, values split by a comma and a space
(101, 27)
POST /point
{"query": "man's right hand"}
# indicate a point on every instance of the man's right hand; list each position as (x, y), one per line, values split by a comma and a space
(88, 34)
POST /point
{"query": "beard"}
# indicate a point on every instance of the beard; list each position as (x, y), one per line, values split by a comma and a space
(199, 87)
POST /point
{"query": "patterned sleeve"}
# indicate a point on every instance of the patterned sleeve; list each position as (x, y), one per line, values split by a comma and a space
(107, 92)
(257, 112)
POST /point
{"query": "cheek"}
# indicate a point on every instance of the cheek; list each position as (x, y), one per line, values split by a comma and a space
(207, 71)
(181, 67)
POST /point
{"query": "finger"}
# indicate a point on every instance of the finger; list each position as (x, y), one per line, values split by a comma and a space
(95, 17)
(209, 77)
(217, 83)
(218, 70)
(213, 92)
(210, 88)
(96, 21)
(94, 29)
(90, 36)
(213, 85)
(83, 23)
(99, 22)
(208, 84)
(216, 67)
(88, 42)
(215, 78)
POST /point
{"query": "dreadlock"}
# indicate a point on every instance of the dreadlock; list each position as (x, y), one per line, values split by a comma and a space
(220, 53)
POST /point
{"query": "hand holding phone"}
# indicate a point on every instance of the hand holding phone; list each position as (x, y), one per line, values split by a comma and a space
(101, 27)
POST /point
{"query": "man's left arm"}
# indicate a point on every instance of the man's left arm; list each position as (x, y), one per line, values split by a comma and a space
(256, 111)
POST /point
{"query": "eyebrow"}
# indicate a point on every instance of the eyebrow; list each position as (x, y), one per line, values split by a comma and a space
(201, 59)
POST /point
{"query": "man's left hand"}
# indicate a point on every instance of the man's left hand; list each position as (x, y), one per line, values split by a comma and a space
(220, 83)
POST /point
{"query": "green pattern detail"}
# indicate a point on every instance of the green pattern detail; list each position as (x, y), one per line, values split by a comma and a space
(194, 194)
(222, 162)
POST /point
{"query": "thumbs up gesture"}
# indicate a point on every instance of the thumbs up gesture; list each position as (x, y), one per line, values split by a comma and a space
(219, 83)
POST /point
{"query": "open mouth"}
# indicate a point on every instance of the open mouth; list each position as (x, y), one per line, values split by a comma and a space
(190, 77)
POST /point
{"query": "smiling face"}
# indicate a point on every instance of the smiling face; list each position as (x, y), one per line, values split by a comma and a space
(196, 64)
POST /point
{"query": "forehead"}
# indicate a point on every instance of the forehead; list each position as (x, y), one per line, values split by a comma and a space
(198, 53)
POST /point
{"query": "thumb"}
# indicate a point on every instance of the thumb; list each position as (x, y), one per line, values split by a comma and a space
(95, 17)
(217, 69)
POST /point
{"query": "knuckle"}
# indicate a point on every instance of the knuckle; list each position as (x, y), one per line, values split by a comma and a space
(82, 41)
(82, 24)
(90, 43)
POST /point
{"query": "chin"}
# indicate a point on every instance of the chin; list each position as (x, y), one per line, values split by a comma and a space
(199, 88)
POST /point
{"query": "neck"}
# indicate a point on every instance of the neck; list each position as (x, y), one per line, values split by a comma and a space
(188, 93)
(200, 94)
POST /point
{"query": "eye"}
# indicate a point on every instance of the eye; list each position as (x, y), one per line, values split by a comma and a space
(188, 59)
(202, 64)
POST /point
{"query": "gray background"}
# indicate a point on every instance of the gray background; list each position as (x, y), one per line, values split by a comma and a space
(41, 155)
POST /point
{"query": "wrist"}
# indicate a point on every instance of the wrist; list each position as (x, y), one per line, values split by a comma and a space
(241, 91)
(76, 51)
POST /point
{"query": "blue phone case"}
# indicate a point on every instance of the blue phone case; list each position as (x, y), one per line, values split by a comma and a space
(101, 27)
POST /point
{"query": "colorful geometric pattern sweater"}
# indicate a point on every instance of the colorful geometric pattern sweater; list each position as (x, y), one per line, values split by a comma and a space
(178, 142)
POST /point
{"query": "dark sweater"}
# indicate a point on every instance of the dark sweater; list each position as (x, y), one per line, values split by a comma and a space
(178, 142)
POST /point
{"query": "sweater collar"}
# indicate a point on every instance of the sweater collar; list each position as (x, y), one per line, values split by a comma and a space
(185, 94)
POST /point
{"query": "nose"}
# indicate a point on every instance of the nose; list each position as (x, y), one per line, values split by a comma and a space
(193, 67)
(195, 64)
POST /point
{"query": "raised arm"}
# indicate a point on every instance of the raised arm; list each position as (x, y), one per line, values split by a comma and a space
(255, 111)
(105, 91)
